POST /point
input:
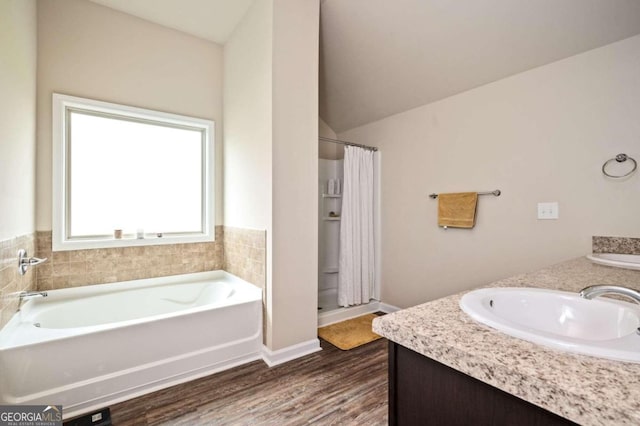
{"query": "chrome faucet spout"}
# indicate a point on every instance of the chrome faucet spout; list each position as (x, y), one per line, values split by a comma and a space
(26, 295)
(594, 291)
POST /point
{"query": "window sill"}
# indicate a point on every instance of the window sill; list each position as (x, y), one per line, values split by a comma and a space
(82, 244)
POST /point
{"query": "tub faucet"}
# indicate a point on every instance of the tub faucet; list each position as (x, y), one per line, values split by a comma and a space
(594, 291)
(26, 295)
(24, 261)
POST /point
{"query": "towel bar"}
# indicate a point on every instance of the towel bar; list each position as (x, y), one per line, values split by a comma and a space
(497, 193)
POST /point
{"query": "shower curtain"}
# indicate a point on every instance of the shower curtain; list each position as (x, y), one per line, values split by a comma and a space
(356, 259)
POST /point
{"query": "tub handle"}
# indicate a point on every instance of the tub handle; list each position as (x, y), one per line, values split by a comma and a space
(24, 261)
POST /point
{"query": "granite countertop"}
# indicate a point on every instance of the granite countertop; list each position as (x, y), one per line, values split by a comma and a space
(584, 389)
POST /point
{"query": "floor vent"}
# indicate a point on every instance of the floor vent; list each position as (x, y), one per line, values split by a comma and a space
(96, 418)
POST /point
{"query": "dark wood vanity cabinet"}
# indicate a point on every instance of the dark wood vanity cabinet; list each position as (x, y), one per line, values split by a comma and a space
(425, 392)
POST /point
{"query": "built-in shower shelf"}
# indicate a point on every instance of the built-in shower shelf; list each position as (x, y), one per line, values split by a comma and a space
(331, 271)
(331, 218)
(331, 196)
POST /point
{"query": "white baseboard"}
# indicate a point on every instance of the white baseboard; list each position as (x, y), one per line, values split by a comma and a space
(388, 309)
(273, 358)
(343, 314)
(280, 356)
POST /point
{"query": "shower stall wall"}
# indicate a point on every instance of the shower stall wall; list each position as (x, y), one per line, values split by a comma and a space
(330, 208)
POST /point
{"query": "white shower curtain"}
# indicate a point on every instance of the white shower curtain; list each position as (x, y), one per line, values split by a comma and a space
(356, 261)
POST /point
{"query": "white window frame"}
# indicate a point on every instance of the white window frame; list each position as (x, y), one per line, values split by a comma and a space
(60, 239)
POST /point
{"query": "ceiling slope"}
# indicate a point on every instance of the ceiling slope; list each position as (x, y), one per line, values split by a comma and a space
(382, 57)
(213, 20)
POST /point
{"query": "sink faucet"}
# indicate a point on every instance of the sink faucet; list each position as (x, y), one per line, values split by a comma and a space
(594, 291)
(26, 295)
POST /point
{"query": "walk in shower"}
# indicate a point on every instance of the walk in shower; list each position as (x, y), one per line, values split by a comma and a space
(348, 281)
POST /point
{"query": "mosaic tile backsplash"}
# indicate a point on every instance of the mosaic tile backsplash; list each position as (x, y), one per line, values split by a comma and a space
(11, 282)
(245, 254)
(238, 251)
(107, 265)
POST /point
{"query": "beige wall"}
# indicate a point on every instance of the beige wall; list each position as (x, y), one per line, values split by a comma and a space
(17, 117)
(541, 135)
(247, 120)
(95, 52)
(328, 150)
(271, 152)
(294, 261)
(18, 36)
(247, 134)
(325, 130)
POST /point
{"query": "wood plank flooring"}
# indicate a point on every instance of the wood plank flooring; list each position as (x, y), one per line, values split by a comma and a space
(330, 387)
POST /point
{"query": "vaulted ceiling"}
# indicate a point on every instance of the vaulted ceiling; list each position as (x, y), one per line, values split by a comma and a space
(382, 57)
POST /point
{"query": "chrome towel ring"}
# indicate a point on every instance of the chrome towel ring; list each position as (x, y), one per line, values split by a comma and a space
(620, 158)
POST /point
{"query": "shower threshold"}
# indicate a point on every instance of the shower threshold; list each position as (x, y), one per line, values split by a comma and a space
(331, 316)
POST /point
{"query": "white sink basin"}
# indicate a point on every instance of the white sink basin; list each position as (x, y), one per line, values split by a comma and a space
(625, 261)
(561, 320)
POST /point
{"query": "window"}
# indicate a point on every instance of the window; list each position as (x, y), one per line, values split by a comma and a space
(126, 176)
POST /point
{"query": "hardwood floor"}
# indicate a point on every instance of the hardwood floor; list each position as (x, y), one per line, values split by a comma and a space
(330, 387)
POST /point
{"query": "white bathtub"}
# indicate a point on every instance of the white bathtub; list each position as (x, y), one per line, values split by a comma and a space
(88, 347)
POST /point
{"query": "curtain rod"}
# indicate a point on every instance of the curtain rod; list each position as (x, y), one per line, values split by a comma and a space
(371, 148)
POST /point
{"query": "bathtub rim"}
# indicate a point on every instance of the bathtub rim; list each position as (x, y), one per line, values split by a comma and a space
(16, 325)
(95, 289)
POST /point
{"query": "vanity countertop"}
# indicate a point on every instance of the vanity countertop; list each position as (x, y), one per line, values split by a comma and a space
(584, 389)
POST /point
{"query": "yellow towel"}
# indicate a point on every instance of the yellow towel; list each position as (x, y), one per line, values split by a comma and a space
(457, 210)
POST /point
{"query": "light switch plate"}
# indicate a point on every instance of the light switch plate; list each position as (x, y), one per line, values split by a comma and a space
(548, 210)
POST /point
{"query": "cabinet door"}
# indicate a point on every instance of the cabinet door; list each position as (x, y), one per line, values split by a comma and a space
(424, 392)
